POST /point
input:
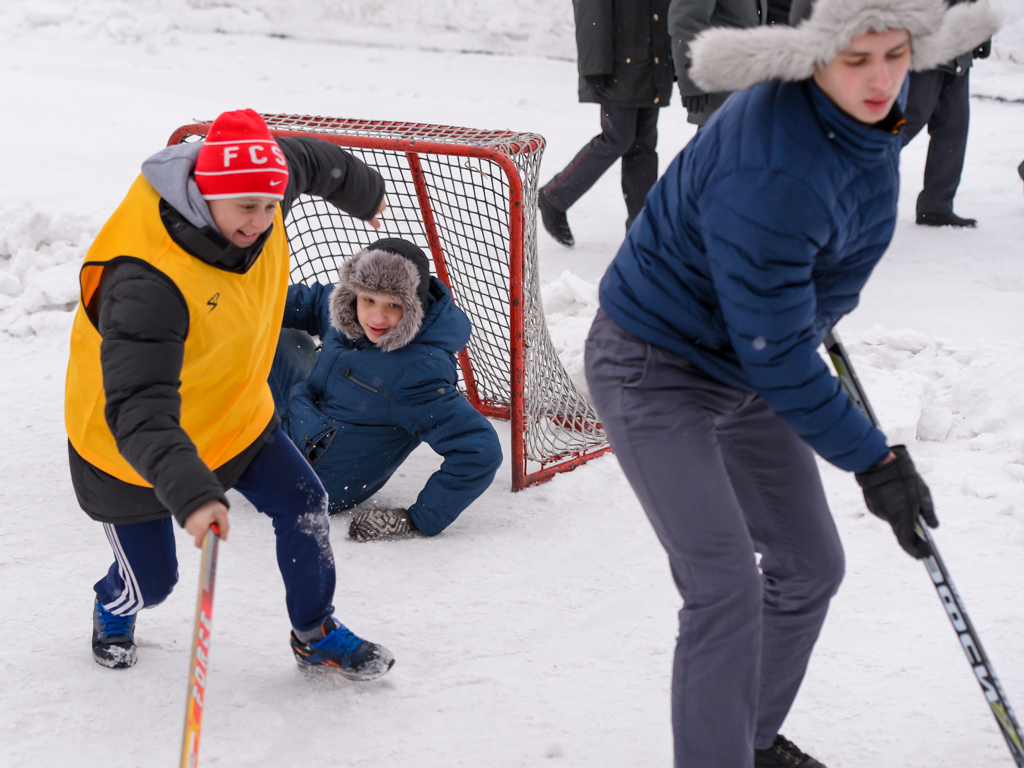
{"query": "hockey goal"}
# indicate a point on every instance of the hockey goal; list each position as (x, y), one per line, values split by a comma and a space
(468, 197)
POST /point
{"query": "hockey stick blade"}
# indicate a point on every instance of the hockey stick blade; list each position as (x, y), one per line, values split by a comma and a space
(195, 702)
(939, 575)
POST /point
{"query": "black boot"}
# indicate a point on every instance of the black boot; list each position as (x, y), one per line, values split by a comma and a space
(783, 753)
(554, 221)
(945, 220)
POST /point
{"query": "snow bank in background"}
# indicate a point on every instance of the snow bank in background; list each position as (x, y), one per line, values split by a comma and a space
(1008, 43)
(537, 27)
(924, 389)
(40, 256)
(570, 304)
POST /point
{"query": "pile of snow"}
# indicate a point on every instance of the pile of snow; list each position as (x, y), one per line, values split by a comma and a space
(537, 27)
(40, 256)
(934, 391)
(570, 304)
(1008, 43)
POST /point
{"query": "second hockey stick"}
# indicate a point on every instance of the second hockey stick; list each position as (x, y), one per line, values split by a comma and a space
(196, 701)
(948, 594)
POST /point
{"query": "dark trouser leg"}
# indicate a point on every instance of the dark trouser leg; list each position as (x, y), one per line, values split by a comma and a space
(640, 163)
(948, 131)
(922, 97)
(720, 478)
(293, 362)
(941, 101)
(282, 485)
(145, 567)
(618, 132)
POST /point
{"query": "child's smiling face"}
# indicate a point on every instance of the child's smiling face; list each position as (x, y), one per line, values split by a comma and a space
(243, 219)
(377, 313)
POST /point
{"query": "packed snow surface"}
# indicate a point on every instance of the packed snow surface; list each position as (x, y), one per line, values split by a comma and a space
(537, 630)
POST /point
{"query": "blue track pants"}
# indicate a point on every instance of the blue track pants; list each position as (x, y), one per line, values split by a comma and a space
(280, 484)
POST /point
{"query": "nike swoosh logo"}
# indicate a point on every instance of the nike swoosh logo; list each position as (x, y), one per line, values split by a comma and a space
(274, 183)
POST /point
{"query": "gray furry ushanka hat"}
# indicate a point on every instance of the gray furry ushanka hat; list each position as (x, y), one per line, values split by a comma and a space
(390, 266)
(726, 59)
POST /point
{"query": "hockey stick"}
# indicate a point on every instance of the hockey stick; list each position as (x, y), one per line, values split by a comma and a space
(948, 594)
(194, 705)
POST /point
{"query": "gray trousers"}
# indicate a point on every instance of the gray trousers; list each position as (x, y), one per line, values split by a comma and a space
(721, 478)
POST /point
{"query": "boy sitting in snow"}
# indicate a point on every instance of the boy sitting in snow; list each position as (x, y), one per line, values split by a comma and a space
(383, 382)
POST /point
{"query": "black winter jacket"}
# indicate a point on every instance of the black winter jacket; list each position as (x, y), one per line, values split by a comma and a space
(687, 19)
(627, 42)
(144, 320)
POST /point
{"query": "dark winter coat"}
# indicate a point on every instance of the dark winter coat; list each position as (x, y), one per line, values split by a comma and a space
(362, 410)
(755, 242)
(962, 63)
(627, 41)
(688, 18)
(144, 322)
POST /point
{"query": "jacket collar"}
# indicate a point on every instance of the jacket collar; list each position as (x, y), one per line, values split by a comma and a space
(860, 139)
(207, 243)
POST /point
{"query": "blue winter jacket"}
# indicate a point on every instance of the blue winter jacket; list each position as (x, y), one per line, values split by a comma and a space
(362, 411)
(758, 238)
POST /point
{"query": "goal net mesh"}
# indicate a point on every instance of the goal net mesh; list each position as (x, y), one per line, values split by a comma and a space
(468, 198)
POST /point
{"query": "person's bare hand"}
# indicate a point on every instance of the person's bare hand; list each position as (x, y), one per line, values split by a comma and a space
(374, 222)
(200, 519)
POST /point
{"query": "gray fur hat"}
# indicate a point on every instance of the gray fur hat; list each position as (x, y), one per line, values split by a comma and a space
(391, 266)
(725, 59)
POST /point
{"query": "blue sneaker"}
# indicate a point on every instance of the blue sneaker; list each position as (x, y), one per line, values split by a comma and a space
(341, 651)
(113, 638)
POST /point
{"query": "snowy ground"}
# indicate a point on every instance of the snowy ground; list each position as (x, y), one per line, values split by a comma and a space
(539, 628)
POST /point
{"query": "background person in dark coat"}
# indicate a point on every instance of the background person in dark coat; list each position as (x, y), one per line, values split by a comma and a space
(703, 360)
(940, 99)
(379, 387)
(625, 66)
(686, 20)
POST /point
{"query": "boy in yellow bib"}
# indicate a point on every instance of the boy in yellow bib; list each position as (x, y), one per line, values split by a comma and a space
(167, 403)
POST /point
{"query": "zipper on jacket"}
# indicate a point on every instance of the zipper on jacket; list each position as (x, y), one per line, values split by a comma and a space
(348, 375)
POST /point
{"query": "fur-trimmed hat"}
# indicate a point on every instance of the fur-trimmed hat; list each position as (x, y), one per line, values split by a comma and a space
(724, 59)
(391, 266)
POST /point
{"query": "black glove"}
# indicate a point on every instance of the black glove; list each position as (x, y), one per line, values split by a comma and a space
(984, 50)
(696, 103)
(897, 494)
(598, 82)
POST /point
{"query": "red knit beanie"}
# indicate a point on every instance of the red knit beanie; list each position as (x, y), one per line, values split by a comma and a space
(240, 159)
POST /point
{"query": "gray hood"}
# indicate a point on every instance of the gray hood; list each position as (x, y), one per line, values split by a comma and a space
(170, 173)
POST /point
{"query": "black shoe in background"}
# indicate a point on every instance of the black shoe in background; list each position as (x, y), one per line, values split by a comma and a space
(783, 753)
(945, 220)
(555, 221)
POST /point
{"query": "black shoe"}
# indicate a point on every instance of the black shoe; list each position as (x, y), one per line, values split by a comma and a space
(945, 220)
(783, 753)
(113, 638)
(554, 221)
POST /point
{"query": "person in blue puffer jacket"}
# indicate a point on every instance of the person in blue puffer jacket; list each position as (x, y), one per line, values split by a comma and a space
(703, 359)
(384, 381)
